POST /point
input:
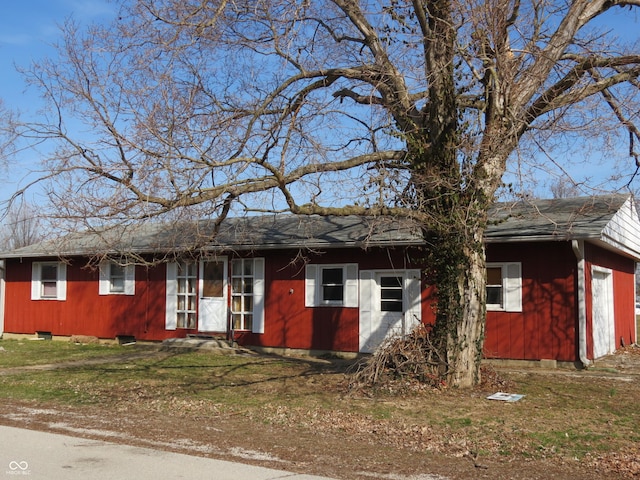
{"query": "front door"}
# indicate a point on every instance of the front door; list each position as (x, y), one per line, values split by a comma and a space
(389, 306)
(212, 289)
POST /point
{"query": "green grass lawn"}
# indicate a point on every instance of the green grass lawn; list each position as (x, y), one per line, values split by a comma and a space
(566, 414)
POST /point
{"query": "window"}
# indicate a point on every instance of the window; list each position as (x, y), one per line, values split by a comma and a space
(331, 285)
(332, 291)
(494, 287)
(48, 281)
(213, 279)
(242, 301)
(504, 287)
(391, 294)
(117, 279)
(186, 282)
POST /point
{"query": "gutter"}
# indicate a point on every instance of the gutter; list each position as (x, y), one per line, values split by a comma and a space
(578, 250)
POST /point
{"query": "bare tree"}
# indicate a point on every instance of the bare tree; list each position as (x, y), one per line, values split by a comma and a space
(390, 107)
(21, 227)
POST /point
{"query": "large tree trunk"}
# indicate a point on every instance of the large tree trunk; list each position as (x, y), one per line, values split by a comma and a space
(458, 266)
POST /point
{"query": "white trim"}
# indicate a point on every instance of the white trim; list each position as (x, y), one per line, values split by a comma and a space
(511, 287)
(313, 285)
(370, 333)
(104, 287)
(171, 305)
(310, 291)
(607, 303)
(413, 286)
(258, 295)
(61, 281)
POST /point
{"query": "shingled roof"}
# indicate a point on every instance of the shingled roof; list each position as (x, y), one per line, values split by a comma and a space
(609, 220)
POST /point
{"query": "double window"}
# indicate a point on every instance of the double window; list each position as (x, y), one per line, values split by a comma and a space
(331, 285)
(504, 287)
(49, 281)
(116, 279)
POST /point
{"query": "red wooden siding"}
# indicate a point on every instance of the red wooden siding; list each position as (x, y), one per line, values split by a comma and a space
(547, 326)
(289, 324)
(623, 270)
(84, 312)
(545, 329)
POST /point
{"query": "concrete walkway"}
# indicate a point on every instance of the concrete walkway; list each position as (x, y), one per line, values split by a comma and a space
(37, 455)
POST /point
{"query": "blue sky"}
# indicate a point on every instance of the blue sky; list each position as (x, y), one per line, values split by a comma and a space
(28, 27)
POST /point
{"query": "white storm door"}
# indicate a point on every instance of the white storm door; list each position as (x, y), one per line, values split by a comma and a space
(382, 307)
(603, 313)
(212, 293)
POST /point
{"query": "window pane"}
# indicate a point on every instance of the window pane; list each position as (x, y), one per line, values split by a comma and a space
(236, 267)
(236, 285)
(494, 276)
(391, 282)
(181, 322)
(494, 295)
(248, 321)
(391, 294)
(117, 284)
(213, 280)
(236, 319)
(236, 304)
(49, 289)
(248, 268)
(49, 272)
(332, 293)
(116, 270)
(332, 276)
(391, 306)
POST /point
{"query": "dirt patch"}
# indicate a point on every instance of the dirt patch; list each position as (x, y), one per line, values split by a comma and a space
(334, 451)
(477, 439)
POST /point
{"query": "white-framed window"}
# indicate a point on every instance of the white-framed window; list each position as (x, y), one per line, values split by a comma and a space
(48, 281)
(186, 295)
(117, 279)
(504, 286)
(247, 294)
(331, 285)
(242, 275)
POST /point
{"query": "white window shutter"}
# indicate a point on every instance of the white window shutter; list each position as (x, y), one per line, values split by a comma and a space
(414, 304)
(62, 281)
(351, 286)
(171, 307)
(258, 295)
(103, 282)
(512, 287)
(35, 281)
(130, 280)
(310, 290)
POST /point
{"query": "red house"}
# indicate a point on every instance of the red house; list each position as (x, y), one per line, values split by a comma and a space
(560, 281)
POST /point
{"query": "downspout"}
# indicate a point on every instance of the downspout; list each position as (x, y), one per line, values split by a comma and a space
(578, 250)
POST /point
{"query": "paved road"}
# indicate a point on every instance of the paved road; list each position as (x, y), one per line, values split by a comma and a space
(33, 455)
